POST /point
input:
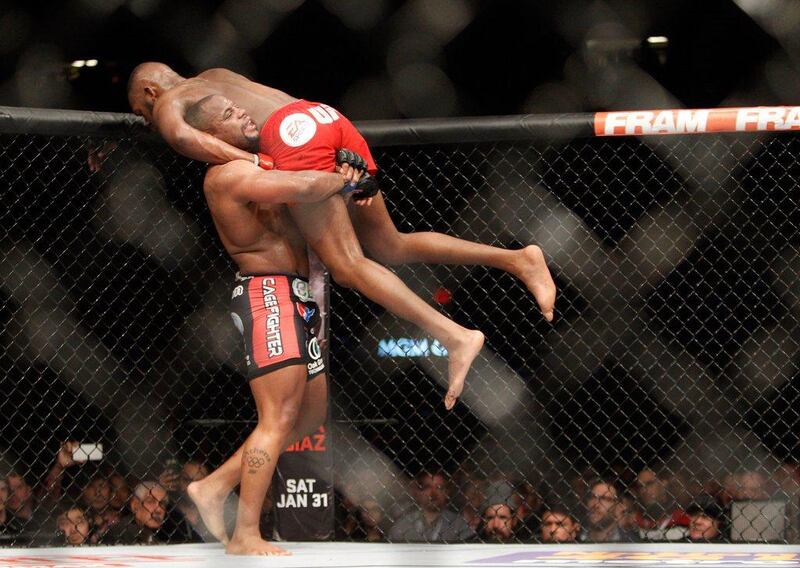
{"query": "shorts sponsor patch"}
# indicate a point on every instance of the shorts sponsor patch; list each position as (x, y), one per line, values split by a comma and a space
(297, 129)
(317, 363)
(301, 290)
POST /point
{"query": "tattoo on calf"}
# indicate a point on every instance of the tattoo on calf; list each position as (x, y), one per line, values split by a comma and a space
(255, 459)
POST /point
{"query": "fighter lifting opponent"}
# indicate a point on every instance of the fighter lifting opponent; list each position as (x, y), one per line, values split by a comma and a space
(274, 311)
(162, 97)
(209, 497)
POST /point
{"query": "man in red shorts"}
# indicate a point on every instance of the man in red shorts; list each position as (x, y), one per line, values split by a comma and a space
(303, 135)
(273, 332)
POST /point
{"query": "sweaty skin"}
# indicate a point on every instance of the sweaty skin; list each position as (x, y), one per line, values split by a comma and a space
(247, 207)
(326, 228)
(264, 236)
(162, 97)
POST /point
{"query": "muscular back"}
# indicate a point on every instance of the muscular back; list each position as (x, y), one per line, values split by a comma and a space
(258, 100)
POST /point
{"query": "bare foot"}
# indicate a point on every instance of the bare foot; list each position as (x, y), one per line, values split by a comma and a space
(210, 504)
(254, 547)
(532, 270)
(461, 354)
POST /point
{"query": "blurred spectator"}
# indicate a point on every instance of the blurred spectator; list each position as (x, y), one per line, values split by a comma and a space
(528, 512)
(74, 527)
(602, 504)
(706, 519)
(153, 520)
(346, 515)
(370, 522)
(628, 513)
(433, 521)
(121, 493)
(51, 489)
(498, 522)
(193, 470)
(20, 500)
(10, 526)
(580, 482)
(744, 485)
(170, 477)
(559, 524)
(148, 503)
(96, 497)
(660, 517)
(472, 491)
(70, 526)
(787, 480)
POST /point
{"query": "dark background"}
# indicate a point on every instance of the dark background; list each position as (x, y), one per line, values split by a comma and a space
(381, 59)
(389, 58)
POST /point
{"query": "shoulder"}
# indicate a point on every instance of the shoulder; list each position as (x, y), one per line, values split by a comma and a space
(228, 172)
(219, 73)
(175, 100)
(228, 176)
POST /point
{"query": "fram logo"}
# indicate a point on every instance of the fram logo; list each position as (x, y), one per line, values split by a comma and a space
(688, 121)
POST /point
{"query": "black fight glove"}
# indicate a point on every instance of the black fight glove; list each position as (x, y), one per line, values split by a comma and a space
(345, 156)
(366, 187)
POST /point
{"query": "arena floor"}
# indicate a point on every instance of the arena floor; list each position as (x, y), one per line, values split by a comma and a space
(345, 555)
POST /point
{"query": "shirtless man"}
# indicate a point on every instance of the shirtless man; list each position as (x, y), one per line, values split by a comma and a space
(272, 307)
(161, 97)
(326, 228)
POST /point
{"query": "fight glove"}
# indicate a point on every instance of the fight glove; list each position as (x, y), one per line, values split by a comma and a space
(345, 156)
(366, 187)
(263, 161)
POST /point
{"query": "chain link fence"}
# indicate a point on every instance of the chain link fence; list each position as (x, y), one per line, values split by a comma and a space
(663, 396)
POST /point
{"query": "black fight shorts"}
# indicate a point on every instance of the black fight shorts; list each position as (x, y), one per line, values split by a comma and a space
(277, 318)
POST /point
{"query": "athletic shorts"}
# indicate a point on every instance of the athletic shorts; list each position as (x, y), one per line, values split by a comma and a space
(305, 136)
(277, 318)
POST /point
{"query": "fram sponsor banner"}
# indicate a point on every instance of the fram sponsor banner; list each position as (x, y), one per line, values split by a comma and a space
(694, 121)
(642, 558)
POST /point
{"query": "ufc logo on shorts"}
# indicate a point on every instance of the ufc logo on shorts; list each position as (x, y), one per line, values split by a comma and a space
(323, 114)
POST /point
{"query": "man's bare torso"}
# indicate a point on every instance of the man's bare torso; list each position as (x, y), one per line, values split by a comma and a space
(261, 239)
(258, 100)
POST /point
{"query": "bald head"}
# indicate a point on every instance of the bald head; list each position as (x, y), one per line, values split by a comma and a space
(146, 83)
(200, 115)
(222, 118)
(152, 73)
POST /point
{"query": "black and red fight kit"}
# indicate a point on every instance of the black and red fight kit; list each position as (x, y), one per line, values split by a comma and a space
(278, 319)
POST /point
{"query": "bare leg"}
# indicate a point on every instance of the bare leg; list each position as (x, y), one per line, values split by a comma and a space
(379, 236)
(209, 494)
(278, 396)
(327, 229)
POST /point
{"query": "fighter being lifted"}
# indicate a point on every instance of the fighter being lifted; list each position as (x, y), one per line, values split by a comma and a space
(301, 135)
(243, 201)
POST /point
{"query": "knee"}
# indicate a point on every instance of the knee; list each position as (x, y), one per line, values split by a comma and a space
(345, 271)
(343, 278)
(282, 422)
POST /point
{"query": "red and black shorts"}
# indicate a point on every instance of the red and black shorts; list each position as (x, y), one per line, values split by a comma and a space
(278, 320)
(305, 136)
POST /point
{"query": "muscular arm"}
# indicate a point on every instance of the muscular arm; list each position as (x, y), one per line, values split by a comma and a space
(246, 182)
(190, 142)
